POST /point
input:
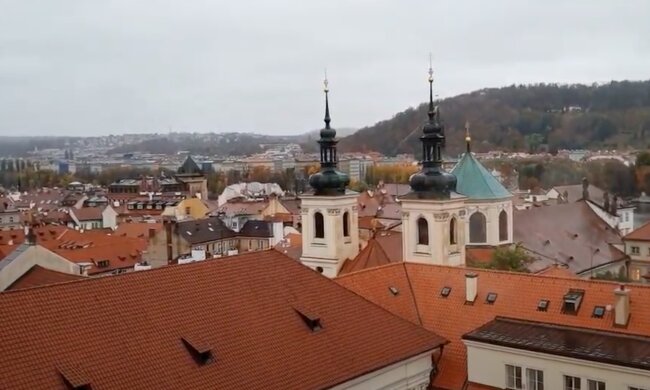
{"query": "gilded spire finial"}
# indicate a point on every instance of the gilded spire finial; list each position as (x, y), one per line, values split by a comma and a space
(468, 139)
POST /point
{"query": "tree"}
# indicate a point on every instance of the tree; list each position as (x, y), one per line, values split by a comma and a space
(643, 159)
(512, 258)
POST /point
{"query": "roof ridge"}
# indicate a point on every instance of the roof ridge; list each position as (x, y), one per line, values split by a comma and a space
(577, 328)
(415, 302)
(147, 272)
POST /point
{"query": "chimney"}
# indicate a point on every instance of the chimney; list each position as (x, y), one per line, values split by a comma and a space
(471, 286)
(585, 189)
(621, 306)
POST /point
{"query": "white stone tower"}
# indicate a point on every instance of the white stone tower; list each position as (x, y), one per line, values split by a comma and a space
(433, 214)
(330, 232)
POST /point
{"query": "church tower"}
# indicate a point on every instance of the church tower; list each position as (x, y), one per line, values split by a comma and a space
(433, 214)
(330, 232)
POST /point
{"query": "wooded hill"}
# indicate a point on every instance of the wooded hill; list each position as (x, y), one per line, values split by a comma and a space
(524, 118)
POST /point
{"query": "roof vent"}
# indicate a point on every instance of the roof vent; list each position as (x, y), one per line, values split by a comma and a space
(74, 377)
(572, 300)
(445, 291)
(311, 319)
(201, 352)
(393, 290)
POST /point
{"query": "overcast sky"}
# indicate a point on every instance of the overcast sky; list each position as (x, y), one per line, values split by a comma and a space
(88, 67)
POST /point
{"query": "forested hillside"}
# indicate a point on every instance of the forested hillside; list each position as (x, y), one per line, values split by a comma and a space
(613, 115)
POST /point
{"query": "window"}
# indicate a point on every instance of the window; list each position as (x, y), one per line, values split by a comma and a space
(452, 231)
(535, 379)
(635, 274)
(423, 231)
(513, 378)
(572, 301)
(571, 383)
(188, 210)
(635, 250)
(595, 385)
(491, 298)
(319, 228)
(503, 226)
(346, 224)
(445, 291)
(477, 228)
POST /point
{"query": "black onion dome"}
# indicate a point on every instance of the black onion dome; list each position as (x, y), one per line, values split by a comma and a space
(432, 181)
(328, 181)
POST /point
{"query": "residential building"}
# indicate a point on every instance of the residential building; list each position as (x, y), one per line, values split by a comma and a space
(519, 331)
(10, 217)
(637, 247)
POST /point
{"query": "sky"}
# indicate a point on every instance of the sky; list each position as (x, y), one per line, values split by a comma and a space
(90, 67)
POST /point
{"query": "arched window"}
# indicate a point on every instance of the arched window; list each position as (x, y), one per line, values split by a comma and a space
(452, 231)
(423, 231)
(477, 228)
(503, 226)
(346, 224)
(319, 228)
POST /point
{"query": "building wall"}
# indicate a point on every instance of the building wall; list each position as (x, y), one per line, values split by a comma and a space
(109, 218)
(409, 374)
(10, 220)
(491, 211)
(486, 365)
(438, 215)
(639, 262)
(329, 252)
(35, 255)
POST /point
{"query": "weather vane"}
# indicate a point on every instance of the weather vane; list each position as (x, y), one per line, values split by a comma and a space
(430, 69)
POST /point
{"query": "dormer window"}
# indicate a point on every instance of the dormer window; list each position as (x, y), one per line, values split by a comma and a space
(571, 301)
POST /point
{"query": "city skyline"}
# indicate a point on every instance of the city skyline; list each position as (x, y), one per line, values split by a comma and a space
(91, 69)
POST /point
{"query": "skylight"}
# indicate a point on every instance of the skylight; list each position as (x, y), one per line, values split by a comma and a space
(542, 305)
(599, 312)
(393, 290)
(310, 319)
(445, 291)
(491, 298)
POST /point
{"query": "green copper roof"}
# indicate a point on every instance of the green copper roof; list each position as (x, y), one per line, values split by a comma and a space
(476, 182)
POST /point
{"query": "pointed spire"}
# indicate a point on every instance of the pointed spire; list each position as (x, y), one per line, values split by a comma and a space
(432, 111)
(327, 102)
(468, 139)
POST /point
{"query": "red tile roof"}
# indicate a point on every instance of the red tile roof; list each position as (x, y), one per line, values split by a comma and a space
(40, 276)
(87, 213)
(642, 233)
(517, 297)
(478, 255)
(291, 246)
(250, 323)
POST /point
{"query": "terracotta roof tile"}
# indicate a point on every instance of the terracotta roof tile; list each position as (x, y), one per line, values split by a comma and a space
(40, 276)
(87, 213)
(257, 338)
(517, 297)
(291, 246)
(642, 233)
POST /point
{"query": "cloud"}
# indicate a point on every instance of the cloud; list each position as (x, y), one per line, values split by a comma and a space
(78, 67)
